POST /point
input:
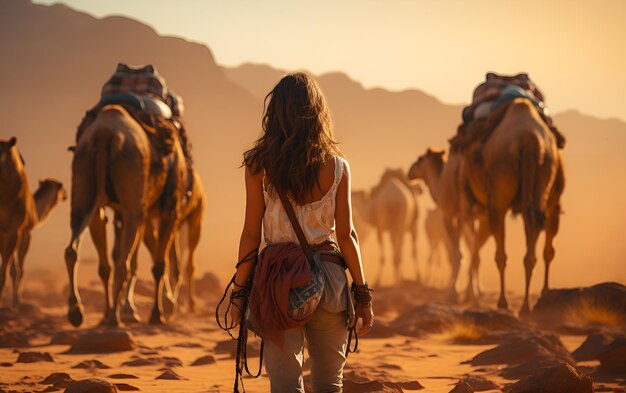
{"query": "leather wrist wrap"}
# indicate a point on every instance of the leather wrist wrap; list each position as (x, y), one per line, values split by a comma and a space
(362, 295)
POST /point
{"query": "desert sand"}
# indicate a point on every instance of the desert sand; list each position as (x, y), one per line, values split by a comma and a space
(419, 342)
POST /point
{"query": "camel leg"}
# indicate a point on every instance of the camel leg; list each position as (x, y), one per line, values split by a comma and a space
(173, 280)
(17, 268)
(428, 279)
(7, 249)
(176, 262)
(532, 229)
(128, 241)
(151, 240)
(454, 256)
(97, 230)
(552, 227)
(498, 232)
(80, 218)
(193, 238)
(165, 238)
(473, 289)
(381, 244)
(418, 279)
(398, 242)
(129, 313)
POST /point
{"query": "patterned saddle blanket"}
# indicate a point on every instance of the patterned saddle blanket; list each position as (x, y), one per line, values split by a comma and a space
(142, 83)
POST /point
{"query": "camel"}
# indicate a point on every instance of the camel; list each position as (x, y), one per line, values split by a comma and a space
(391, 207)
(189, 233)
(115, 165)
(360, 203)
(437, 236)
(519, 167)
(442, 173)
(20, 213)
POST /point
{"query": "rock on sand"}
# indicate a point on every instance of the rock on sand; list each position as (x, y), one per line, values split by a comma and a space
(614, 357)
(562, 378)
(91, 386)
(34, 357)
(103, 342)
(593, 346)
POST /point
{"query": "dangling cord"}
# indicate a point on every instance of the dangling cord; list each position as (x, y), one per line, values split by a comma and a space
(241, 293)
(236, 293)
(362, 295)
(245, 359)
(352, 333)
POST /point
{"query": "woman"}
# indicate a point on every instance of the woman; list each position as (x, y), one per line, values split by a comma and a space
(296, 155)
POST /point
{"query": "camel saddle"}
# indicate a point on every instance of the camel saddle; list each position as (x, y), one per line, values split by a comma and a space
(144, 80)
(155, 105)
(491, 99)
(492, 89)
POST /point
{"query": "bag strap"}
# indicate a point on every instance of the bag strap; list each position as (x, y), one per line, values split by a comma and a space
(306, 247)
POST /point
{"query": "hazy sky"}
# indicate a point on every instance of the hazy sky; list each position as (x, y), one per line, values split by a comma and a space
(574, 50)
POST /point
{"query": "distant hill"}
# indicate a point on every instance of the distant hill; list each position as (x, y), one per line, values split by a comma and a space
(377, 128)
(54, 60)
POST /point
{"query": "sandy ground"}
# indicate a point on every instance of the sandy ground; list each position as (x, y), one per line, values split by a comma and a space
(387, 361)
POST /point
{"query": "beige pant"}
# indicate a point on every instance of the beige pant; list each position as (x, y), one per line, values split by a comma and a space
(326, 335)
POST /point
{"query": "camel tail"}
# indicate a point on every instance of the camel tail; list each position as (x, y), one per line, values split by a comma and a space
(90, 170)
(531, 204)
(101, 174)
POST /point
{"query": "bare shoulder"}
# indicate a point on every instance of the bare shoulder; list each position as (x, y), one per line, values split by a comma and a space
(327, 172)
(345, 167)
(255, 175)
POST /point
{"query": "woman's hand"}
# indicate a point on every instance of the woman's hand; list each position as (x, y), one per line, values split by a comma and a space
(366, 314)
(236, 304)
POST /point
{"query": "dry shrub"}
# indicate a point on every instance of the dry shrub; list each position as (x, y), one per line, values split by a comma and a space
(463, 332)
(592, 311)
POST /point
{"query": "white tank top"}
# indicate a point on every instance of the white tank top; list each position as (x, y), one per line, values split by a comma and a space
(317, 219)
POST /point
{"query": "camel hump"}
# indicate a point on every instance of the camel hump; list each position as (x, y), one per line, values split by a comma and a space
(113, 109)
(523, 106)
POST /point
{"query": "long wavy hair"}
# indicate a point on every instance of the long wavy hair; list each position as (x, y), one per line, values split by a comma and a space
(297, 137)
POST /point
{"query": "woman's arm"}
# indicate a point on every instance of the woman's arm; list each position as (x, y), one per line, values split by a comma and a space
(251, 234)
(347, 240)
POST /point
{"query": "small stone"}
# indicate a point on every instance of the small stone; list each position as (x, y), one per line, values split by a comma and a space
(103, 342)
(123, 376)
(462, 387)
(89, 364)
(614, 357)
(594, 345)
(562, 378)
(411, 385)
(34, 357)
(126, 387)
(479, 383)
(171, 375)
(188, 345)
(153, 361)
(208, 359)
(60, 380)
(91, 386)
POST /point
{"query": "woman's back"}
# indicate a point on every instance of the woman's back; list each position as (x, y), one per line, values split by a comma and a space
(316, 216)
